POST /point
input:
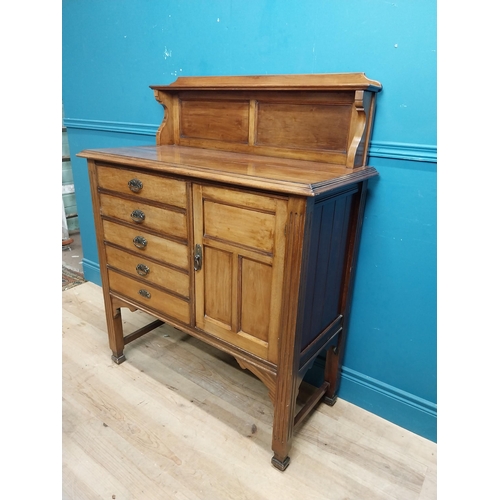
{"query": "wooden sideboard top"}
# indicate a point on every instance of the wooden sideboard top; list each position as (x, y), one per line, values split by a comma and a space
(289, 176)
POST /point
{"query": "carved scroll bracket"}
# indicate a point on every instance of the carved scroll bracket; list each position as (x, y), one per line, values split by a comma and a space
(118, 303)
(266, 377)
(358, 123)
(165, 133)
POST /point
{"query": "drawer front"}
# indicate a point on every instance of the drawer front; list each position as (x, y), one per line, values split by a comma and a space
(137, 265)
(149, 296)
(156, 247)
(143, 186)
(145, 216)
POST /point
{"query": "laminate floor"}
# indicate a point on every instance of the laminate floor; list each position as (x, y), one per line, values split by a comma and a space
(181, 420)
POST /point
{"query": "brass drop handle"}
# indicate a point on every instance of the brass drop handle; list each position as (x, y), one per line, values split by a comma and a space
(198, 258)
(140, 242)
(142, 269)
(144, 293)
(138, 216)
(135, 185)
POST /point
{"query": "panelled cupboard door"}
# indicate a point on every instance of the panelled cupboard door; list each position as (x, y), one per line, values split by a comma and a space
(239, 284)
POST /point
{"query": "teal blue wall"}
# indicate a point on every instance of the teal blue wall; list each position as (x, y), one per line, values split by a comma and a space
(113, 51)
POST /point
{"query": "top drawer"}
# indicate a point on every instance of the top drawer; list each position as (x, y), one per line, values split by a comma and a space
(145, 186)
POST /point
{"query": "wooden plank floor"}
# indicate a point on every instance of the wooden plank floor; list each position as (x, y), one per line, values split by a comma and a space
(181, 420)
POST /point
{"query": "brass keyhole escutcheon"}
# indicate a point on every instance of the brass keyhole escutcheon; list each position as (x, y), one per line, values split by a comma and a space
(198, 258)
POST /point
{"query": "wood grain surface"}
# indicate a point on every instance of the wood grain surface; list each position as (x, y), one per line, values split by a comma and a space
(181, 420)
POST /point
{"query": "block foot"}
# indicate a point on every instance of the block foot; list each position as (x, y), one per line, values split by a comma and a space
(330, 401)
(279, 464)
(118, 359)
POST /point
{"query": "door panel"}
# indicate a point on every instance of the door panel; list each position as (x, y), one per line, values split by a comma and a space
(218, 283)
(239, 286)
(239, 225)
(256, 284)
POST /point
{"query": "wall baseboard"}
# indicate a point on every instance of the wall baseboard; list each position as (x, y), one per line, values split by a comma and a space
(402, 408)
(403, 151)
(91, 271)
(111, 126)
(378, 149)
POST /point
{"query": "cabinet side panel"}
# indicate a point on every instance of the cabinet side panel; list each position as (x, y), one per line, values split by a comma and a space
(326, 261)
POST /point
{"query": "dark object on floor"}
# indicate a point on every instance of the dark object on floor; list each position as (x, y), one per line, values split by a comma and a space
(71, 278)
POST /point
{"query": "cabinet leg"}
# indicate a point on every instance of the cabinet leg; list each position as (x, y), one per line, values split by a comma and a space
(283, 421)
(332, 375)
(115, 335)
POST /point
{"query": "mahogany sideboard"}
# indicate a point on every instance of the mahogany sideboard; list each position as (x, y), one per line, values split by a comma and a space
(241, 225)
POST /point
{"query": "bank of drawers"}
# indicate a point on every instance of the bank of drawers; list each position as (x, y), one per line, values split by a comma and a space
(146, 239)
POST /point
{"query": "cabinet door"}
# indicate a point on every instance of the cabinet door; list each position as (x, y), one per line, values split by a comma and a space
(239, 286)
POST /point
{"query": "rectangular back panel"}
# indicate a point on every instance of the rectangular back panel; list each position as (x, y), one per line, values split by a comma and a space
(303, 126)
(214, 120)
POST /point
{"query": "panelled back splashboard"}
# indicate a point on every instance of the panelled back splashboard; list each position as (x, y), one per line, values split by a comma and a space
(241, 226)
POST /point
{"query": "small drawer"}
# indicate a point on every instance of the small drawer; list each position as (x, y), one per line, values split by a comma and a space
(154, 247)
(149, 296)
(137, 265)
(145, 216)
(143, 186)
